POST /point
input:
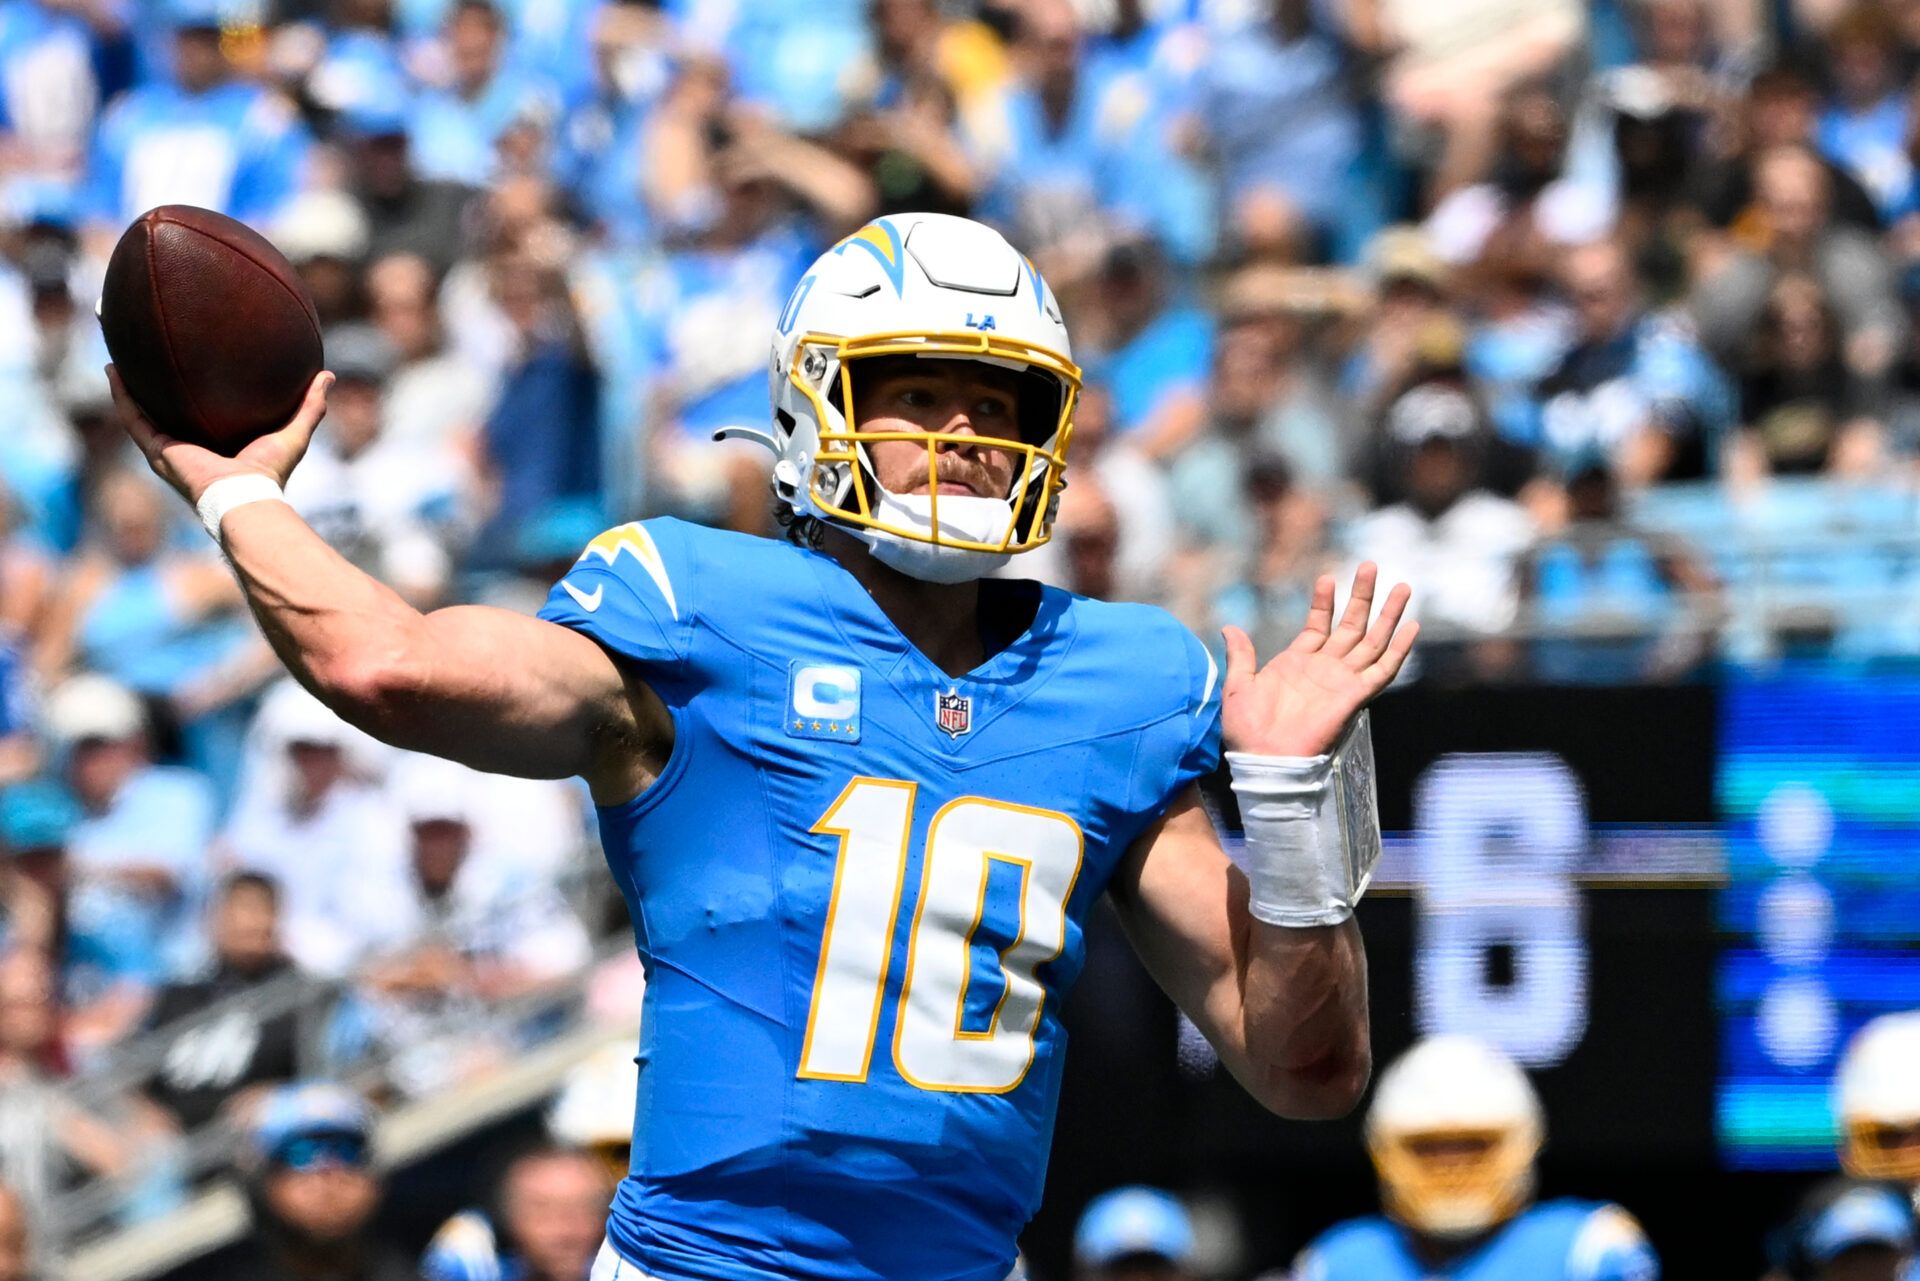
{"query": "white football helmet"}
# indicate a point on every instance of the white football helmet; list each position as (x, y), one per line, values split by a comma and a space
(1878, 1099)
(1453, 1132)
(935, 287)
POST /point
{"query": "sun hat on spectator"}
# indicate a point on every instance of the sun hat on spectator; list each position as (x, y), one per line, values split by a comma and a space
(1132, 1221)
(290, 715)
(312, 1119)
(321, 224)
(36, 815)
(428, 789)
(90, 707)
(1403, 254)
(360, 353)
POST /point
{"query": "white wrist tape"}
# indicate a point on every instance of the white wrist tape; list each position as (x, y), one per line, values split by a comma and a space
(229, 492)
(1313, 830)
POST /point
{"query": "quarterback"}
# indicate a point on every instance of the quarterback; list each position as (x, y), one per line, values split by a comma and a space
(860, 796)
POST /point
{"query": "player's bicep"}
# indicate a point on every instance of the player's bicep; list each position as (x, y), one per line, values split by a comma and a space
(509, 694)
(1183, 905)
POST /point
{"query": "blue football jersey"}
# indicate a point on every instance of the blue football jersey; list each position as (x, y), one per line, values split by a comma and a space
(1554, 1241)
(859, 886)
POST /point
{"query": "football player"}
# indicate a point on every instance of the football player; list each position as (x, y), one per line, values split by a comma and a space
(1878, 1101)
(1453, 1132)
(860, 797)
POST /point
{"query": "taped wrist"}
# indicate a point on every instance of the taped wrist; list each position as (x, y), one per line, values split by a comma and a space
(1312, 830)
(229, 492)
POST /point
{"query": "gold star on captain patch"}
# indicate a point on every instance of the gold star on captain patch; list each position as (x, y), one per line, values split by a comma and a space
(816, 726)
(799, 724)
(833, 727)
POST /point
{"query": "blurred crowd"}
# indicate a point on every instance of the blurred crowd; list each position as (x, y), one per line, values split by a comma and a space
(1596, 321)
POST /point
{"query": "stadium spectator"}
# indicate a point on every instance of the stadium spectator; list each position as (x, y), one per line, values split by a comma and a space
(1072, 150)
(1800, 409)
(1454, 1131)
(314, 1193)
(597, 149)
(1147, 534)
(393, 505)
(1781, 109)
(1633, 387)
(136, 857)
(435, 397)
(1867, 127)
(327, 837)
(1284, 136)
(1794, 231)
(1089, 527)
(49, 98)
(1533, 201)
(1134, 1234)
(458, 934)
(1619, 603)
(1151, 349)
(324, 235)
(203, 136)
(541, 440)
(45, 1139)
(1268, 579)
(1264, 398)
(224, 1062)
(406, 213)
(1449, 534)
(456, 131)
(552, 1205)
(1449, 69)
(160, 617)
(16, 1240)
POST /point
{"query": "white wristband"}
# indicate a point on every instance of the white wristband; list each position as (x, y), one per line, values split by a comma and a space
(1313, 830)
(229, 492)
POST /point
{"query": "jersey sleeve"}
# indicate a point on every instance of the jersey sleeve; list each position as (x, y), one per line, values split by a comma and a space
(1193, 732)
(1610, 1246)
(631, 591)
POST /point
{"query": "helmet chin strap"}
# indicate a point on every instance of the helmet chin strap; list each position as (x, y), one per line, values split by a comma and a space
(969, 517)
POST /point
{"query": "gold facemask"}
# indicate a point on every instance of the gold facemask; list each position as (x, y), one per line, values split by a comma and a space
(841, 481)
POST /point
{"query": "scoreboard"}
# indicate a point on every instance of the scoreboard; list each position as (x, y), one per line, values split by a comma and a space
(1672, 904)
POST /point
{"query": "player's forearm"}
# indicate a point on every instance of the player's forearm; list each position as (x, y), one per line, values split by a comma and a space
(341, 632)
(1304, 1017)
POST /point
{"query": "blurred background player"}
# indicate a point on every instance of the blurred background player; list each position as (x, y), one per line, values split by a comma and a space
(1134, 1234)
(1847, 1230)
(1454, 1131)
(1878, 1101)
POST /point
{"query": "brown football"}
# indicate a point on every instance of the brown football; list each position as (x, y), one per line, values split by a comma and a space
(209, 326)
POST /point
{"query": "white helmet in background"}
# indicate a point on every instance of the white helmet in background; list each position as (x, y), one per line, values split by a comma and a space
(1453, 1133)
(1878, 1099)
(939, 288)
(594, 1109)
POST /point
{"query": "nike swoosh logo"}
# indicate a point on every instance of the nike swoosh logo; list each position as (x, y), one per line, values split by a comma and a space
(588, 601)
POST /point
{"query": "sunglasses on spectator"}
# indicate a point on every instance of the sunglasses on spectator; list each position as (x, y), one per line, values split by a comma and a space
(309, 1151)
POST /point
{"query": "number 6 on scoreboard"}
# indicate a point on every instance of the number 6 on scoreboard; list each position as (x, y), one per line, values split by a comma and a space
(967, 841)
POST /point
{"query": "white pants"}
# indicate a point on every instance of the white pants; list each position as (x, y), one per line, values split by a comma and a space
(609, 1266)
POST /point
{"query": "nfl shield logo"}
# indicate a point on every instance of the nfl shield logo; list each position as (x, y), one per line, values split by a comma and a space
(953, 712)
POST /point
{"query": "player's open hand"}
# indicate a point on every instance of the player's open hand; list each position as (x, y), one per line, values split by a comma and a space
(1302, 701)
(190, 468)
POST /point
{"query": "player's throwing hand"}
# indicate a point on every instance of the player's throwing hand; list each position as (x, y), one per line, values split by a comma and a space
(1302, 701)
(191, 469)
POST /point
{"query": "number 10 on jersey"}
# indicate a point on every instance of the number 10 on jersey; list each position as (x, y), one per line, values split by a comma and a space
(971, 844)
